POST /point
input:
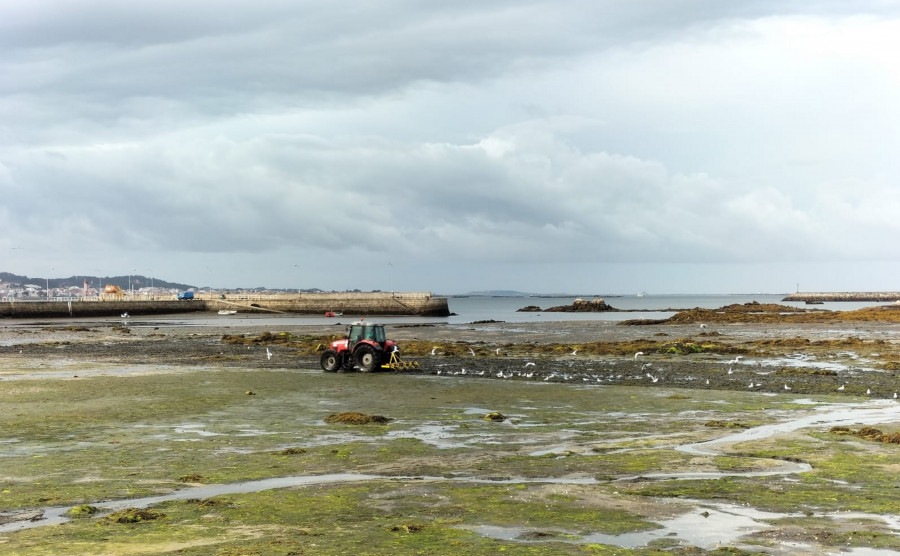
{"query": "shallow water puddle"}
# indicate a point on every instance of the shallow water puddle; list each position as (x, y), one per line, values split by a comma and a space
(717, 525)
(56, 515)
(871, 413)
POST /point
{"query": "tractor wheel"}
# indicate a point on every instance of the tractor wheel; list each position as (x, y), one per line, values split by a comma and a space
(367, 359)
(330, 361)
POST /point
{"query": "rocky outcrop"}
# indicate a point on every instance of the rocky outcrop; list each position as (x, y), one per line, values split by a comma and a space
(595, 305)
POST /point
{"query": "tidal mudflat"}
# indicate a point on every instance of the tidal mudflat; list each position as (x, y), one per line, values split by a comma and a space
(151, 439)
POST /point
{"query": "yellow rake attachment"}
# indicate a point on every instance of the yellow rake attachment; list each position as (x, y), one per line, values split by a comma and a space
(397, 365)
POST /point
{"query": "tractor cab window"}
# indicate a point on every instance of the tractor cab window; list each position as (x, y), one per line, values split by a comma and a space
(356, 334)
(378, 334)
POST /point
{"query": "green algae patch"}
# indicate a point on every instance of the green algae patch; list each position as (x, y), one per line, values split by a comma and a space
(81, 511)
(494, 416)
(355, 418)
(716, 424)
(133, 515)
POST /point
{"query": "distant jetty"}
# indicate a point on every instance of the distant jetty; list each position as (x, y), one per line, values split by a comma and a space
(350, 303)
(820, 297)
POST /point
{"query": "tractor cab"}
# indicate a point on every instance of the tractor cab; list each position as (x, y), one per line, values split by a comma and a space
(360, 331)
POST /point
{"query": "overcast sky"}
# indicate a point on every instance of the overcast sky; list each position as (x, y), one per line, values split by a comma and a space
(587, 146)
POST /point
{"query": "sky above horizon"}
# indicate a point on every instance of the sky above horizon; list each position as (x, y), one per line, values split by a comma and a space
(676, 146)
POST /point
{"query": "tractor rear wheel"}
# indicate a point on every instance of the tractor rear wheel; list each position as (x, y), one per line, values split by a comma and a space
(330, 361)
(367, 359)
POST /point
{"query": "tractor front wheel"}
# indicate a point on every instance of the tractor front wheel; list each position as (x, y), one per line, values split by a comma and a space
(367, 359)
(330, 361)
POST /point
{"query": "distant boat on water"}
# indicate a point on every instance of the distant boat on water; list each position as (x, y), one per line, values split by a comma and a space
(642, 294)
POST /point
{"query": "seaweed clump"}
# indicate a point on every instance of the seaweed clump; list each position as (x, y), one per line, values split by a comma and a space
(83, 510)
(355, 418)
(133, 515)
(869, 433)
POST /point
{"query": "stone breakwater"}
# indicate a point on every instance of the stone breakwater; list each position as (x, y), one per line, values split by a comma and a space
(354, 304)
(843, 296)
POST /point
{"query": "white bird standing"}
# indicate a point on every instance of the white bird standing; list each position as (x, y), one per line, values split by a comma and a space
(574, 352)
(434, 349)
(268, 353)
(497, 351)
(652, 378)
(472, 351)
(868, 391)
(841, 387)
(125, 315)
(529, 364)
(786, 387)
(637, 354)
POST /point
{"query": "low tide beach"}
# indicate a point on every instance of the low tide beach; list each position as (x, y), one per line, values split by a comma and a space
(200, 435)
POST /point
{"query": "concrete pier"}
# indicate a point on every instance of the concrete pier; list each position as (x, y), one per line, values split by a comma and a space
(880, 297)
(352, 304)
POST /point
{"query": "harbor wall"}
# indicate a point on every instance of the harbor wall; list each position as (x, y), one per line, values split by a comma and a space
(844, 296)
(351, 303)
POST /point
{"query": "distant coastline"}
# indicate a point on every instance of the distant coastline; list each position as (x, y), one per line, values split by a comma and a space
(843, 296)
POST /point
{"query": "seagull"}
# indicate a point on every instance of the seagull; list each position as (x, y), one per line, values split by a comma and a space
(751, 384)
(637, 354)
(125, 315)
(786, 387)
(730, 371)
(707, 382)
(433, 350)
(645, 365)
(841, 387)
(702, 325)
(529, 364)
(734, 361)
(868, 391)
(574, 352)
(895, 395)
(268, 353)
(652, 378)
(472, 351)
(497, 351)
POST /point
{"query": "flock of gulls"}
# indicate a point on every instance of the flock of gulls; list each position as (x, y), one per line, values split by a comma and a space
(645, 369)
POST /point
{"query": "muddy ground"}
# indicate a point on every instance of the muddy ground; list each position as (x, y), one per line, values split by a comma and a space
(863, 357)
(527, 438)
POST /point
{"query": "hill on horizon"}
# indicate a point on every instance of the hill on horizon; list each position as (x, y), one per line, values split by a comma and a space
(135, 280)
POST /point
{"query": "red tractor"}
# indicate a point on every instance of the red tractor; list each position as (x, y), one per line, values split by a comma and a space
(366, 347)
